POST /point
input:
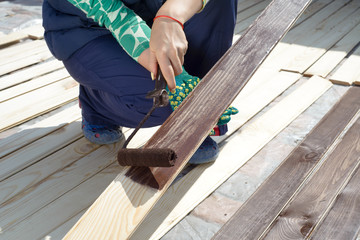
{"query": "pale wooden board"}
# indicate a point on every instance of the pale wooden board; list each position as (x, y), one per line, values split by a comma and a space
(47, 180)
(60, 231)
(33, 84)
(349, 72)
(243, 5)
(199, 183)
(38, 130)
(27, 106)
(251, 11)
(29, 73)
(33, 175)
(304, 211)
(335, 55)
(12, 38)
(285, 51)
(310, 49)
(47, 190)
(52, 212)
(279, 82)
(34, 32)
(21, 50)
(37, 150)
(24, 62)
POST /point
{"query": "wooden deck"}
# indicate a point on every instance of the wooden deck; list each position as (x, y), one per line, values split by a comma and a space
(50, 174)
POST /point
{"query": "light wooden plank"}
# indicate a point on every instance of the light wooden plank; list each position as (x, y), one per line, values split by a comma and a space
(34, 32)
(343, 220)
(252, 218)
(40, 184)
(319, 41)
(39, 149)
(15, 52)
(303, 213)
(335, 55)
(64, 207)
(59, 232)
(33, 84)
(47, 190)
(285, 51)
(137, 199)
(29, 73)
(27, 106)
(12, 38)
(24, 62)
(251, 11)
(243, 5)
(38, 130)
(349, 72)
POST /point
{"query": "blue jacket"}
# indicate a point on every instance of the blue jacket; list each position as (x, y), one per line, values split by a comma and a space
(67, 28)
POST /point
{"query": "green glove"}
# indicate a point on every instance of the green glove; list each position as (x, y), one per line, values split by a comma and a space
(185, 83)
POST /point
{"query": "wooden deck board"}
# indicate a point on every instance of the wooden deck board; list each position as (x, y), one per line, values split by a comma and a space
(28, 152)
(251, 221)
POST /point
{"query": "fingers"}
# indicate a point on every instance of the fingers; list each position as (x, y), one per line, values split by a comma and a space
(167, 71)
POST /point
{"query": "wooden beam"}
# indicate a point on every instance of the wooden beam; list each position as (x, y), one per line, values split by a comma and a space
(235, 68)
(343, 219)
(349, 72)
(262, 208)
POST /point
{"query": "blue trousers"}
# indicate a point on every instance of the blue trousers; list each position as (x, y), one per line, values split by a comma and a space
(113, 86)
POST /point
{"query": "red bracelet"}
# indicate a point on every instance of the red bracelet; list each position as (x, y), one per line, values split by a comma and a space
(165, 16)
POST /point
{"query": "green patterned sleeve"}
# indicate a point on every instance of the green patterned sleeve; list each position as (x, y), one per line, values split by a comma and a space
(129, 29)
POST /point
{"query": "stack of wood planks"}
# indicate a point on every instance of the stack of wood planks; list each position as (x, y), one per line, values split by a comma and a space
(50, 175)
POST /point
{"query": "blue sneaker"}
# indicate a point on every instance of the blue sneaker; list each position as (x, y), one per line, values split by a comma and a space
(101, 134)
(207, 152)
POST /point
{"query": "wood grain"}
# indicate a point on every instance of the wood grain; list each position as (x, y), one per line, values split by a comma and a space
(298, 219)
(253, 218)
(193, 188)
(343, 219)
(29, 73)
(38, 130)
(33, 84)
(27, 106)
(349, 72)
(320, 39)
(237, 66)
(335, 55)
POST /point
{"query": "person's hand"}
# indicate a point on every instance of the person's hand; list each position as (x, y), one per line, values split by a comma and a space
(168, 46)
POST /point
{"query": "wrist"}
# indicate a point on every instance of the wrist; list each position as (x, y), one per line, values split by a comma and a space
(181, 10)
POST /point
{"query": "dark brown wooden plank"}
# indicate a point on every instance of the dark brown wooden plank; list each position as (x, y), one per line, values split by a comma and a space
(252, 219)
(188, 126)
(310, 204)
(343, 220)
